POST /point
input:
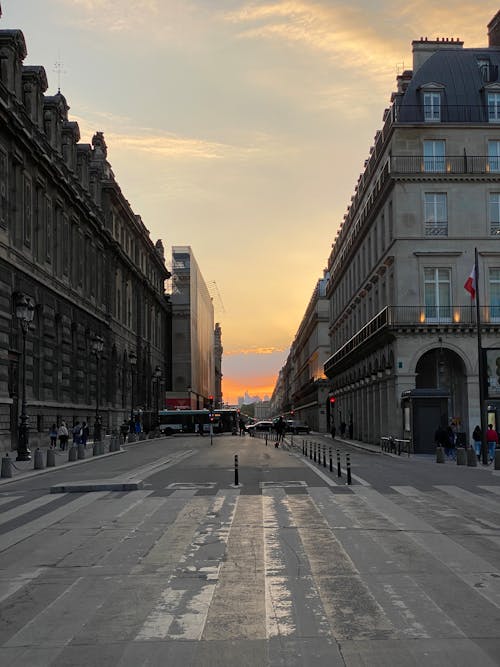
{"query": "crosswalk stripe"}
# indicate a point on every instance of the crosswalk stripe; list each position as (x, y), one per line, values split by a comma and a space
(12, 585)
(18, 511)
(352, 611)
(237, 608)
(181, 609)
(37, 525)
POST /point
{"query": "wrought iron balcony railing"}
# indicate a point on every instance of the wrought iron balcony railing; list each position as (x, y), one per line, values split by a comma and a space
(416, 317)
(452, 164)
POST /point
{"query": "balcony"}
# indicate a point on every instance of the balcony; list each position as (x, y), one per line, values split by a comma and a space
(459, 164)
(404, 319)
(448, 113)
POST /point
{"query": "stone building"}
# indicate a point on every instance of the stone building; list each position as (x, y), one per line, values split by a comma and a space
(71, 244)
(193, 338)
(404, 352)
(304, 388)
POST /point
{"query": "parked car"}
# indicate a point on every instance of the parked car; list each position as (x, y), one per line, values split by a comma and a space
(295, 426)
(264, 426)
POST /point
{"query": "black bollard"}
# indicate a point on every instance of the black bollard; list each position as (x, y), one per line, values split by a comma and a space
(236, 476)
(310, 450)
(266, 439)
(339, 469)
(324, 456)
(331, 462)
(314, 456)
(348, 465)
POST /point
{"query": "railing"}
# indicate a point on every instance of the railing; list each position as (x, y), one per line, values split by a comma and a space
(449, 164)
(416, 317)
(448, 113)
(396, 445)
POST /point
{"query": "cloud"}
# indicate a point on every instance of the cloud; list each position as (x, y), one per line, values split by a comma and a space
(254, 350)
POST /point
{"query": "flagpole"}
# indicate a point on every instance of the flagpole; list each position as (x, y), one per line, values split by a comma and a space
(480, 366)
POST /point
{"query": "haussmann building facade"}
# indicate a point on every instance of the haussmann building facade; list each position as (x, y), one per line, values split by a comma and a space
(403, 329)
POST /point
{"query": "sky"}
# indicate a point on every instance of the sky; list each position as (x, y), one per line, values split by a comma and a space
(239, 128)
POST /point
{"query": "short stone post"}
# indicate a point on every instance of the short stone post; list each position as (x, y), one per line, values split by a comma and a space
(51, 458)
(439, 454)
(38, 460)
(6, 466)
(497, 459)
(471, 458)
(81, 451)
(461, 456)
(72, 453)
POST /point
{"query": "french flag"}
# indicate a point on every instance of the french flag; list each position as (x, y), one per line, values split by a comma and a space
(470, 283)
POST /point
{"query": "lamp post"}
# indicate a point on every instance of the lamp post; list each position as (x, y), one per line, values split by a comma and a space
(132, 357)
(97, 348)
(25, 310)
(157, 380)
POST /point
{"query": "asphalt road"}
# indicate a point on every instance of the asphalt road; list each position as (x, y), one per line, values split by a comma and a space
(291, 567)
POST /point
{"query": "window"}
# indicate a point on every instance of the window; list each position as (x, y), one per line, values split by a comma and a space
(484, 68)
(494, 155)
(3, 189)
(434, 155)
(435, 214)
(437, 294)
(495, 294)
(494, 213)
(494, 107)
(49, 222)
(432, 107)
(28, 211)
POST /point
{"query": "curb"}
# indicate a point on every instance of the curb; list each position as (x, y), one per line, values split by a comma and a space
(32, 472)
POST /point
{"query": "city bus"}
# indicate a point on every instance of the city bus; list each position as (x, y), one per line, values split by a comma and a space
(223, 420)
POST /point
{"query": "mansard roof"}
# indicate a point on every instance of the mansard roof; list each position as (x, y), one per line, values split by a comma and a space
(458, 71)
(17, 37)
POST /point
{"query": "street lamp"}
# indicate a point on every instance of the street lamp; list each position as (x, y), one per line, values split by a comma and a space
(157, 380)
(97, 348)
(132, 357)
(25, 310)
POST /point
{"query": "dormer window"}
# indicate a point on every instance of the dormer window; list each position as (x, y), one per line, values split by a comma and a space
(484, 68)
(432, 107)
(431, 98)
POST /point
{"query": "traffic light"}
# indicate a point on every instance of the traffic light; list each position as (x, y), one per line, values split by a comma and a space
(332, 400)
(292, 412)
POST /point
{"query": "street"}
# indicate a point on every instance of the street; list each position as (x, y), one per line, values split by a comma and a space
(291, 567)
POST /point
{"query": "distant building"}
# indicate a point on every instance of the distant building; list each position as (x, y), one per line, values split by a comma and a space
(262, 410)
(71, 244)
(193, 359)
(302, 388)
(218, 350)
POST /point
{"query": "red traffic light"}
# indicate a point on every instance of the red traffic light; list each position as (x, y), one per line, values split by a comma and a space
(332, 399)
(210, 398)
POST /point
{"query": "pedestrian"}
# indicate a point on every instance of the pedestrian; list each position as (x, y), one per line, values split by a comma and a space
(333, 431)
(76, 432)
(343, 427)
(53, 436)
(280, 431)
(138, 427)
(241, 424)
(85, 434)
(477, 439)
(63, 434)
(492, 440)
(351, 429)
(450, 442)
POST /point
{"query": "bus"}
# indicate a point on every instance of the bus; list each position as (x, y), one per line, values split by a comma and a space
(223, 420)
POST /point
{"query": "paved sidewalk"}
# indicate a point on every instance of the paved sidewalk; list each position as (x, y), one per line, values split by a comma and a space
(25, 469)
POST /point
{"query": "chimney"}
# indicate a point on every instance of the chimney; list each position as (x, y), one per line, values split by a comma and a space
(494, 31)
(425, 48)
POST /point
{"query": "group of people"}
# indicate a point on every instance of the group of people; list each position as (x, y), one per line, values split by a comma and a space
(79, 432)
(446, 437)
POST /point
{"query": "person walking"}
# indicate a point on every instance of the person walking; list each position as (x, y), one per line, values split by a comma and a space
(333, 431)
(77, 431)
(492, 440)
(450, 445)
(343, 427)
(241, 424)
(441, 439)
(280, 431)
(477, 438)
(63, 434)
(53, 436)
(85, 434)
